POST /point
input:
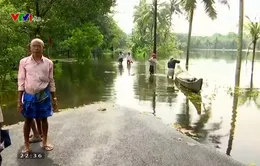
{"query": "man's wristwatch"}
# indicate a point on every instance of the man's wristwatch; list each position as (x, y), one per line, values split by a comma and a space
(55, 98)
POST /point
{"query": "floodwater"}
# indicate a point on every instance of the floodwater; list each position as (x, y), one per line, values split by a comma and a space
(216, 118)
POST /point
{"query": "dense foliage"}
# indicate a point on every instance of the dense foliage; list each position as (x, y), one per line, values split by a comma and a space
(216, 41)
(70, 28)
(142, 36)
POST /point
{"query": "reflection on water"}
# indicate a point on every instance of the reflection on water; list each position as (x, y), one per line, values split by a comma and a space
(120, 68)
(77, 85)
(210, 117)
(233, 124)
(183, 119)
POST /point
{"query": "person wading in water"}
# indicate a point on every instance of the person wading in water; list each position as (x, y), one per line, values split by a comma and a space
(153, 62)
(171, 66)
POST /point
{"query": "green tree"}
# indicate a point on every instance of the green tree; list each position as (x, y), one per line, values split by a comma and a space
(59, 18)
(114, 37)
(143, 37)
(12, 48)
(253, 29)
(83, 40)
(74, 27)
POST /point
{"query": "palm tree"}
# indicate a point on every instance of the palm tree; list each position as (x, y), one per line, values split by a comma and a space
(253, 28)
(240, 43)
(155, 27)
(166, 12)
(189, 7)
(144, 22)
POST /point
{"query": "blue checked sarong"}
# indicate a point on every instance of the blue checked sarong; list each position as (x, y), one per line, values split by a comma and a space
(38, 105)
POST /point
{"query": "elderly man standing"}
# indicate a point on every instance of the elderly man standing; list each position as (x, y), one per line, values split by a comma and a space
(36, 91)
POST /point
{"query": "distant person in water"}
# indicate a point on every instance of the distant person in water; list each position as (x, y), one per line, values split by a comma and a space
(171, 66)
(129, 61)
(120, 58)
(152, 61)
(129, 58)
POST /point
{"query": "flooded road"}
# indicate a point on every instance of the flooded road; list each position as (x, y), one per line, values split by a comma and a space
(216, 118)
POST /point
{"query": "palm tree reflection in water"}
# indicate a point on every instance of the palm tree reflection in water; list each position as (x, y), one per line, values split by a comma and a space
(233, 124)
(197, 130)
(184, 118)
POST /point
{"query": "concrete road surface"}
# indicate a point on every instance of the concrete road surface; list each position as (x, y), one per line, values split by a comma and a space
(117, 136)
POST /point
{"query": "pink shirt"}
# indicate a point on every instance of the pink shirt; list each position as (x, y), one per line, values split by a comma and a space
(35, 76)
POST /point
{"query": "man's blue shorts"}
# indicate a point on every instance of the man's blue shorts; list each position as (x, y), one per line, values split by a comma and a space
(38, 105)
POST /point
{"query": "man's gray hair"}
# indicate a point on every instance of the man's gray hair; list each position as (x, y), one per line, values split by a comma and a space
(38, 40)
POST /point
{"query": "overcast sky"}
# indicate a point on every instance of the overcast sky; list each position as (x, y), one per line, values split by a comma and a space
(227, 20)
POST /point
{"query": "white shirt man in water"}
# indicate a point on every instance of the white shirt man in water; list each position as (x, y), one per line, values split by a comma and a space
(152, 61)
(129, 58)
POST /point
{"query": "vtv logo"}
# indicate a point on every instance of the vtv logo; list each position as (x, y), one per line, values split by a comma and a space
(22, 17)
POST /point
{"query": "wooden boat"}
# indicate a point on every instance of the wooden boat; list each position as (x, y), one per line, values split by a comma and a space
(186, 80)
(193, 85)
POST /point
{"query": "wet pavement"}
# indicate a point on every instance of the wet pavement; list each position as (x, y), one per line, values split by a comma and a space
(117, 136)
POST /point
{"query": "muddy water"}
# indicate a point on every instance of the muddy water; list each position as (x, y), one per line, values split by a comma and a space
(216, 118)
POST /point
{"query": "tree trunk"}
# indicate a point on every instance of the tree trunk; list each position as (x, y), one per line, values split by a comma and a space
(240, 43)
(37, 30)
(155, 27)
(36, 2)
(252, 66)
(3, 80)
(189, 37)
(247, 53)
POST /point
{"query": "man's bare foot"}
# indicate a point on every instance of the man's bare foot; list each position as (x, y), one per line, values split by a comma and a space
(26, 149)
(48, 147)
